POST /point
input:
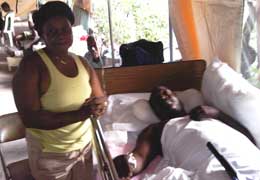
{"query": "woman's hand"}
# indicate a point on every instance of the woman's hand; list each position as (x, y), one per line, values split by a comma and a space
(95, 106)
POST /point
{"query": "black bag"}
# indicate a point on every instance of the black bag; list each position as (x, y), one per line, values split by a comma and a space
(141, 52)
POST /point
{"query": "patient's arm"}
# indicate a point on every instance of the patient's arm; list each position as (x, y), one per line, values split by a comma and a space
(148, 146)
(200, 112)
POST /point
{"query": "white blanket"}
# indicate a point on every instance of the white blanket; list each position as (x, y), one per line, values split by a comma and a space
(186, 155)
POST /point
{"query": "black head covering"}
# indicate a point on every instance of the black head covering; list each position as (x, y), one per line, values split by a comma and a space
(5, 6)
(49, 10)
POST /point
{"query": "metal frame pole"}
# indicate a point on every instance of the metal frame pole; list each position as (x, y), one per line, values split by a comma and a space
(110, 32)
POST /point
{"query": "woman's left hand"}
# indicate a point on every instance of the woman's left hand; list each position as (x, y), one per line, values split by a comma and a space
(96, 105)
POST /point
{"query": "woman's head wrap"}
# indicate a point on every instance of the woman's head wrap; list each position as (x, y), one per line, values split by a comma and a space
(49, 10)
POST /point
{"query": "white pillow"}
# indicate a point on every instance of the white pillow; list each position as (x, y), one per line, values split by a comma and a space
(143, 111)
(132, 111)
(119, 114)
(227, 90)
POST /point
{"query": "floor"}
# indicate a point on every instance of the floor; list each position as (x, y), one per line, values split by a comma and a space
(7, 104)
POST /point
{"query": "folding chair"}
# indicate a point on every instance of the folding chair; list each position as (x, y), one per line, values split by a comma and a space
(13, 152)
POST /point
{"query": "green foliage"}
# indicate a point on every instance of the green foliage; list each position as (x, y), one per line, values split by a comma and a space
(254, 75)
(133, 20)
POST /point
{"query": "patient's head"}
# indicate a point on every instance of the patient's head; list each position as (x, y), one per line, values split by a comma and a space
(165, 103)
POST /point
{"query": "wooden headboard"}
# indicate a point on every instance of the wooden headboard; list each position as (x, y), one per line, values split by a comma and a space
(176, 75)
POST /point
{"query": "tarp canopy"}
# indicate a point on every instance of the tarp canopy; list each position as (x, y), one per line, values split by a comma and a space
(206, 29)
(21, 7)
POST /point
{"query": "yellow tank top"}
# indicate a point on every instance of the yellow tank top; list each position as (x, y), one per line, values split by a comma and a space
(64, 94)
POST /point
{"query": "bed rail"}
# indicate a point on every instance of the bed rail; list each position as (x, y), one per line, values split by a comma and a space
(105, 163)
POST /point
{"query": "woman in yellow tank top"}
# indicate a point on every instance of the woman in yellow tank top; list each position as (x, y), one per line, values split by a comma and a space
(55, 93)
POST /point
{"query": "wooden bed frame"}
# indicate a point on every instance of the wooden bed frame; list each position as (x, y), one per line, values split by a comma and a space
(178, 76)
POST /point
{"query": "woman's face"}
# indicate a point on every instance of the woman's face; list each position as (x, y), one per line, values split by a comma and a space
(57, 33)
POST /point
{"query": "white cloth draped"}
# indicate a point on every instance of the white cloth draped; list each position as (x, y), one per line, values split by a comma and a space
(218, 26)
(186, 155)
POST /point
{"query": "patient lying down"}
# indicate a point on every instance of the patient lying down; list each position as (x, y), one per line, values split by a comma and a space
(181, 140)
